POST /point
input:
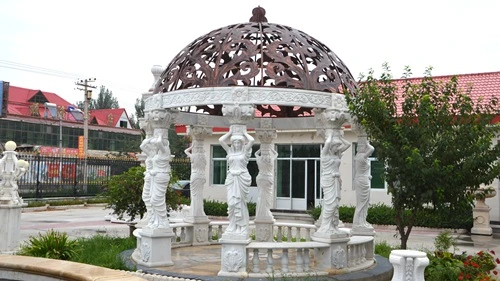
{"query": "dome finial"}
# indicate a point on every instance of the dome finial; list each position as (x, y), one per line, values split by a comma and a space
(258, 15)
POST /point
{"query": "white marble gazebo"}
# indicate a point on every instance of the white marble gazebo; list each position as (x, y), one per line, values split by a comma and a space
(260, 78)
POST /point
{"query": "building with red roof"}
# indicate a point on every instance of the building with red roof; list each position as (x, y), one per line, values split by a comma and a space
(36, 118)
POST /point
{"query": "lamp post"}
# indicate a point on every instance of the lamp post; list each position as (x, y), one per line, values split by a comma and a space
(87, 96)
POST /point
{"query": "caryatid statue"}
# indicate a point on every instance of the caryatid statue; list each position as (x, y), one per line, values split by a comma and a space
(330, 180)
(362, 182)
(265, 156)
(196, 154)
(158, 168)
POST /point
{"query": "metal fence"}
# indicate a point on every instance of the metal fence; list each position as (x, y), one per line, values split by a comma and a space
(50, 176)
(62, 176)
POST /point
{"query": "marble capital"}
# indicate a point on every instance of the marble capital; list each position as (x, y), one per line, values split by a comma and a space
(238, 113)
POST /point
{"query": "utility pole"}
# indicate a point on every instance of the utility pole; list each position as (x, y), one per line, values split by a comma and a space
(87, 96)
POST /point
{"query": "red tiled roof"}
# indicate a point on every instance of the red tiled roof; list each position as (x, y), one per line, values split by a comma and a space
(101, 116)
(483, 86)
(19, 104)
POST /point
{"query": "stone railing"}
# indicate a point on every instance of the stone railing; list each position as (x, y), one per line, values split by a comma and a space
(360, 252)
(293, 231)
(282, 259)
(292, 253)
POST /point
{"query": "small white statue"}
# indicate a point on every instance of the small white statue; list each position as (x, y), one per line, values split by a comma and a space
(11, 170)
(238, 178)
(197, 179)
(362, 183)
(265, 181)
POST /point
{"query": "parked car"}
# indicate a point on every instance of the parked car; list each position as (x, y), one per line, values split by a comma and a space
(182, 187)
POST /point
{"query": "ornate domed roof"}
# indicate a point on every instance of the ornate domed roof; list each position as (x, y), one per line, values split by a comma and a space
(259, 54)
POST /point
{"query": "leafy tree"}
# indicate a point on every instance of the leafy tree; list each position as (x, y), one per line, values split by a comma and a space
(435, 141)
(139, 107)
(105, 100)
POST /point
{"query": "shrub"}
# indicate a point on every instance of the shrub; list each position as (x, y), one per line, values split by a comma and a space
(219, 209)
(384, 249)
(52, 245)
(124, 193)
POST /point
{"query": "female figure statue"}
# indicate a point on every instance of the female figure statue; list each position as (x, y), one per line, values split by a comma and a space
(238, 179)
(330, 181)
(362, 178)
(149, 150)
(160, 177)
(197, 179)
(265, 181)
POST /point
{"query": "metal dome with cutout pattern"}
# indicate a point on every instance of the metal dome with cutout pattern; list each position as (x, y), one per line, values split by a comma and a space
(258, 54)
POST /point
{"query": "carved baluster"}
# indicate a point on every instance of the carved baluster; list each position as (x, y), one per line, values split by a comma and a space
(299, 260)
(284, 261)
(210, 235)
(306, 259)
(299, 236)
(289, 234)
(219, 232)
(280, 234)
(174, 238)
(308, 234)
(350, 256)
(270, 261)
(255, 260)
(183, 234)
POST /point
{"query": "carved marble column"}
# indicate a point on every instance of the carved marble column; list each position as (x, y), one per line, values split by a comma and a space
(266, 157)
(334, 257)
(362, 184)
(196, 153)
(156, 236)
(236, 237)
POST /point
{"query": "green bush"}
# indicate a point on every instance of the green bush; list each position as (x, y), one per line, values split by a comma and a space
(52, 245)
(219, 209)
(382, 214)
(124, 193)
(384, 249)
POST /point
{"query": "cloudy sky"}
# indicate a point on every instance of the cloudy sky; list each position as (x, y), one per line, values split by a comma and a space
(48, 44)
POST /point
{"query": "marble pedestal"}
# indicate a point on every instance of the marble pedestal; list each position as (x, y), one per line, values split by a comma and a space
(156, 247)
(334, 258)
(481, 216)
(234, 255)
(362, 231)
(10, 220)
(199, 232)
(264, 229)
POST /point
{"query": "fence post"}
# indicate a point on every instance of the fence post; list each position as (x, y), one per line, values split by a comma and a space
(76, 176)
(38, 195)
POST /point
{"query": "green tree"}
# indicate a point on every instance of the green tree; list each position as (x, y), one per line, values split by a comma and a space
(435, 141)
(104, 100)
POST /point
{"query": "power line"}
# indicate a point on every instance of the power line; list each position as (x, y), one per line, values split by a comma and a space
(59, 73)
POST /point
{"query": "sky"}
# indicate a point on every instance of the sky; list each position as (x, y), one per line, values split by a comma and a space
(50, 44)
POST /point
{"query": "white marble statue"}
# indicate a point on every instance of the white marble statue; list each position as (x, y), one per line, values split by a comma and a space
(265, 181)
(238, 178)
(362, 183)
(160, 177)
(149, 150)
(330, 181)
(11, 169)
(197, 179)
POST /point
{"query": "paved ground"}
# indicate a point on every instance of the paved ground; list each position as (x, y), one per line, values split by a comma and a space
(88, 221)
